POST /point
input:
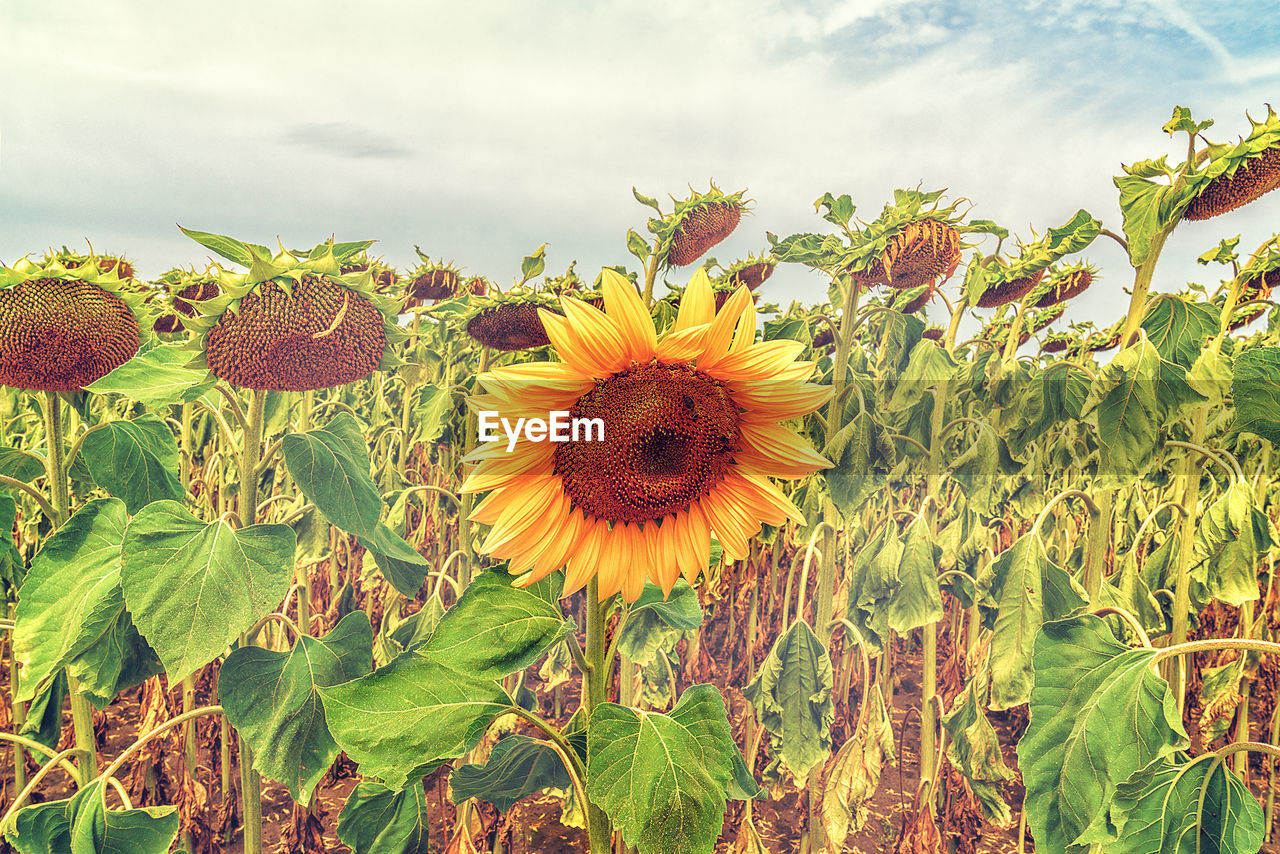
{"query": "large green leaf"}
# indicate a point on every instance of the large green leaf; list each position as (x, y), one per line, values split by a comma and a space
(792, 696)
(398, 561)
(1098, 714)
(1173, 806)
(928, 367)
(41, 829)
(193, 588)
(19, 465)
(974, 750)
(98, 830)
(272, 700)
(863, 455)
(136, 461)
(496, 629)
(404, 719)
(1018, 580)
(662, 778)
(331, 467)
(157, 376)
(71, 610)
(1128, 411)
(917, 601)
(517, 766)
(1255, 386)
(1179, 327)
(378, 820)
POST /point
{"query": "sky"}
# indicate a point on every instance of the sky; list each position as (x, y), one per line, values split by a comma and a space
(481, 130)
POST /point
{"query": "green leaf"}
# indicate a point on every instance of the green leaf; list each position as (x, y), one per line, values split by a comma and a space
(157, 376)
(1183, 121)
(1128, 411)
(662, 778)
(227, 247)
(95, 829)
(136, 461)
(331, 467)
(532, 265)
(378, 820)
(655, 626)
(874, 579)
(645, 200)
(41, 829)
(917, 601)
(792, 696)
(1098, 714)
(193, 588)
(928, 367)
(1179, 327)
(839, 210)
(1223, 253)
(1229, 537)
(404, 719)
(1143, 208)
(12, 569)
(19, 465)
(431, 413)
(398, 561)
(272, 700)
(974, 750)
(71, 610)
(44, 715)
(517, 766)
(863, 455)
(977, 471)
(1255, 386)
(1173, 806)
(496, 629)
(637, 245)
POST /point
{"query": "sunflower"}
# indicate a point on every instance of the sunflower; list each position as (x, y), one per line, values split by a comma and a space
(692, 433)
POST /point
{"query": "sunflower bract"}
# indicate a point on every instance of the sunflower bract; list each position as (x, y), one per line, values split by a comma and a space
(319, 336)
(60, 334)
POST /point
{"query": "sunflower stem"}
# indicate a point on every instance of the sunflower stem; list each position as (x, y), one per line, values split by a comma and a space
(59, 494)
(599, 829)
(250, 781)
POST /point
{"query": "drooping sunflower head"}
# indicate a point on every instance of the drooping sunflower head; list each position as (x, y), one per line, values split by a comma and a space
(62, 328)
(432, 281)
(916, 241)
(1236, 174)
(993, 281)
(509, 321)
(295, 321)
(669, 440)
(72, 260)
(385, 278)
(185, 290)
(751, 271)
(1057, 342)
(1067, 282)
(1108, 339)
(1040, 320)
(696, 224)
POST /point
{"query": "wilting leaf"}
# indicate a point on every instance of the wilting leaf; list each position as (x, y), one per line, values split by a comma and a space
(1229, 537)
(655, 626)
(94, 828)
(855, 774)
(1175, 806)
(432, 413)
(379, 820)
(136, 461)
(193, 588)
(974, 750)
(1020, 581)
(1128, 411)
(1255, 386)
(517, 766)
(792, 696)
(662, 778)
(157, 376)
(917, 601)
(874, 578)
(272, 700)
(1098, 714)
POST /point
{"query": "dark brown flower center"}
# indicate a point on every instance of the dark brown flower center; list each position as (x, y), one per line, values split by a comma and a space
(670, 433)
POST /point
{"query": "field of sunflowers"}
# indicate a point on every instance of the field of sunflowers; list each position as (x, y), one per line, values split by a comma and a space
(827, 578)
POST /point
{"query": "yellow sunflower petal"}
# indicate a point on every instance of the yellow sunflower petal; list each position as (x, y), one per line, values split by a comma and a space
(697, 303)
(625, 307)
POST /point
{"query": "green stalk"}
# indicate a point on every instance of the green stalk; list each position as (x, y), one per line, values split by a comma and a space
(595, 685)
(59, 493)
(19, 715)
(250, 781)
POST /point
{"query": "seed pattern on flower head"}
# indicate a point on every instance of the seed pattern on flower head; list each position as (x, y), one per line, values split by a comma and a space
(1010, 290)
(509, 326)
(322, 335)
(700, 229)
(1252, 179)
(62, 334)
(924, 252)
(670, 433)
